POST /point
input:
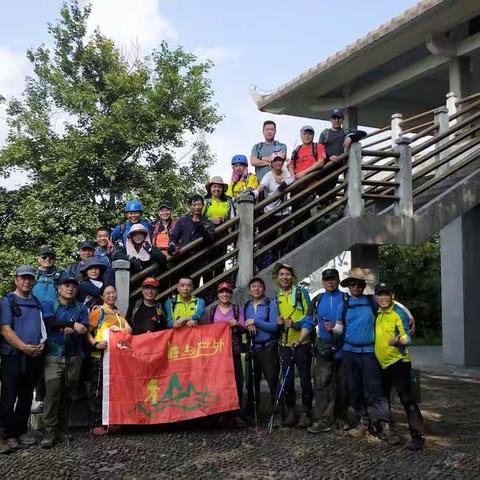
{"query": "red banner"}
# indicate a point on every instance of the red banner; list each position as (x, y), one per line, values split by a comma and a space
(168, 376)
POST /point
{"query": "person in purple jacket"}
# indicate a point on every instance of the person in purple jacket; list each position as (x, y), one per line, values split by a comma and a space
(261, 315)
(224, 310)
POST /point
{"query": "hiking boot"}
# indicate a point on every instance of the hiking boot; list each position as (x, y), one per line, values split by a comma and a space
(13, 444)
(415, 444)
(358, 431)
(48, 441)
(290, 419)
(305, 420)
(99, 431)
(386, 434)
(324, 424)
(4, 447)
(27, 440)
(37, 408)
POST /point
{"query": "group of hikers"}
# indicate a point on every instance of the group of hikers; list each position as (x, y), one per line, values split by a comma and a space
(54, 325)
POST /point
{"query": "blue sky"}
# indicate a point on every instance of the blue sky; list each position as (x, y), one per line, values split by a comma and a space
(252, 43)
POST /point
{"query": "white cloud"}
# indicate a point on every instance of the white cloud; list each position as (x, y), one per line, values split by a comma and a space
(131, 22)
(216, 54)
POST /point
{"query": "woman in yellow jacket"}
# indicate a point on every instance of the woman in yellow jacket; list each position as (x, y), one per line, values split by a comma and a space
(101, 320)
(241, 179)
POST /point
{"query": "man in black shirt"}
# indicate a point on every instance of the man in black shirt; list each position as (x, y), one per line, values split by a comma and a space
(146, 315)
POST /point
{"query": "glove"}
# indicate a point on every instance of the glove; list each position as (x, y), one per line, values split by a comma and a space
(171, 248)
(148, 247)
(282, 187)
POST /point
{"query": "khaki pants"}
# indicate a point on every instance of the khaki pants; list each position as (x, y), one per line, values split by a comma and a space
(54, 404)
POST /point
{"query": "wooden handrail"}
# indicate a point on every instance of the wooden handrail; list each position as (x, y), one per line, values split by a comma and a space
(417, 117)
(467, 99)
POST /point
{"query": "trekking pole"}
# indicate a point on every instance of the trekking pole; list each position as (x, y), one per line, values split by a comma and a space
(280, 391)
(66, 390)
(252, 367)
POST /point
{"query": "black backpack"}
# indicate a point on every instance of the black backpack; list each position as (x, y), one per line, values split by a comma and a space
(236, 312)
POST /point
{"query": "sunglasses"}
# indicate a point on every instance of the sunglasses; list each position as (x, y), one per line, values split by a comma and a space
(358, 284)
(45, 257)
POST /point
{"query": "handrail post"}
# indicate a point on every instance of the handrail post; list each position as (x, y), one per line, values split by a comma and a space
(396, 127)
(122, 284)
(245, 207)
(441, 122)
(452, 105)
(354, 177)
(404, 204)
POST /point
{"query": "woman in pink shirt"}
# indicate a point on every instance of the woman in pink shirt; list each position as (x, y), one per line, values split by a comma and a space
(225, 310)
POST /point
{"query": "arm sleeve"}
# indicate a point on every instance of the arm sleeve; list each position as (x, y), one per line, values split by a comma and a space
(229, 192)
(93, 318)
(200, 312)
(168, 312)
(269, 326)
(254, 152)
(88, 288)
(252, 181)
(116, 233)
(83, 315)
(403, 325)
(321, 139)
(321, 152)
(6, 316)
(287, 177)
(405, 309)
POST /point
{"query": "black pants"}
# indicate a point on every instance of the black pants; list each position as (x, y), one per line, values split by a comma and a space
(238, 368)
(302, 359)
(266, 362)
(398, 376)
(365, 387)
(18, 376)
(95, 391)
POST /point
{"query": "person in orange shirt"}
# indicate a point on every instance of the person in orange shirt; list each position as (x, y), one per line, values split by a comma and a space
(101, 320)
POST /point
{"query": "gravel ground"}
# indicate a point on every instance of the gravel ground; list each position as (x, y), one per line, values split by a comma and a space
(451, 409)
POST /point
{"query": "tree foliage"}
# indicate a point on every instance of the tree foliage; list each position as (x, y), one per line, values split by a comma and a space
(415, 274)
(93, 129)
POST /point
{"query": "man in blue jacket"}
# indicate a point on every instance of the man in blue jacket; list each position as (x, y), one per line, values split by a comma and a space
(329, 379)
(357, 318)
(261, 320)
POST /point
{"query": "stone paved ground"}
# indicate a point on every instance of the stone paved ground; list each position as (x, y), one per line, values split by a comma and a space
(451, 409)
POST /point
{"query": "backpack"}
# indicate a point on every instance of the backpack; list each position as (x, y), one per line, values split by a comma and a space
(160, 316)
(259, 146)
(162, 239)
(236, 312)
(16, 310)
(326, 133)
(297, 149)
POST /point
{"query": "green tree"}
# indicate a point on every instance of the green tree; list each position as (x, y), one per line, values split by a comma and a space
(415, 274)
(93, 129)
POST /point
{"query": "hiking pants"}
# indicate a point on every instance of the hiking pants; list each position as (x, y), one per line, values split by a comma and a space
(398, 376)
(302, 359)
(266, 362)
(365, 386)
(56, 390)
(330, 389)
(18, 376)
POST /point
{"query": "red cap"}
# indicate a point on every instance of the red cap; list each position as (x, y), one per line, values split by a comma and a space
(224, 286)
(152, 282)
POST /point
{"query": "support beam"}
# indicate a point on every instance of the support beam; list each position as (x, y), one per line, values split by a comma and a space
(460, 261)
(351, 117)
(459, 76)
(122, 284)
(354, 177)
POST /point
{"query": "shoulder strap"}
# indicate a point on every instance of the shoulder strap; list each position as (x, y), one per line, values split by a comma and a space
(211, 317)
(346, 304)
(259, 148)
(299, 298)
(136, 308)
(314, 150)
(236, 311)
(295, 155)
(122, 228)
(102, 315)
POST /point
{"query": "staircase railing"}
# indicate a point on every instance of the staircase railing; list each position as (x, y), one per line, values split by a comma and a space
(406, 163)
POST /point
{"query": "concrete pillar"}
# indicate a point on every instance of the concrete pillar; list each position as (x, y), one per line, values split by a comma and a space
(404, 206)
(122, 284)
(459, 76)
(366, 257)
(460, 261)
(452, 105)
(351, 117)
(245, 203)
(441, 122)
(354, 177)
(396, 128)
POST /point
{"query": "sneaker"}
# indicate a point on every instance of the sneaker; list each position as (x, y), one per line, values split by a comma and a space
(99, 431)
(27, 440)
(305, 420)
(386, 434)
(48, 441)
(324, 424)
(37, 408)
(13, 444)
(290, 419)
(415, 444)
(358, 431)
